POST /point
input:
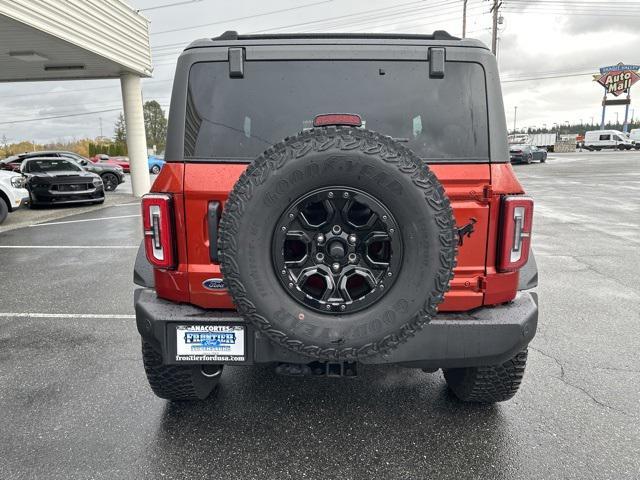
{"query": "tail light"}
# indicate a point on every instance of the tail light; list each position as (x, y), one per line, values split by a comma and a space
(337, 119)
(516, 221)
(157, 221)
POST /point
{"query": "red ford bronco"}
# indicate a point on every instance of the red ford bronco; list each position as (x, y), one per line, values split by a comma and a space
(331, 201)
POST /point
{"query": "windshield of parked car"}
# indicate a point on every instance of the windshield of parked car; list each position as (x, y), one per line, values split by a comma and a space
(438, 118)
(45, 166)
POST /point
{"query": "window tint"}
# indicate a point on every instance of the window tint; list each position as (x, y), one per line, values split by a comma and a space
(239, 118)
(605, 137)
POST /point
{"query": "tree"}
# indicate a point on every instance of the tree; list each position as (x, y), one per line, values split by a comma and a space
(120, 133)
(155, 124)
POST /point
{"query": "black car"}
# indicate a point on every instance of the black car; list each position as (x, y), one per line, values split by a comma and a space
(58, 181)
(527, 153)
(112, 175)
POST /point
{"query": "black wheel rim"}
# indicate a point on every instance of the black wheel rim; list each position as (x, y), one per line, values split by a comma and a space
(337, 250)
(110, 182)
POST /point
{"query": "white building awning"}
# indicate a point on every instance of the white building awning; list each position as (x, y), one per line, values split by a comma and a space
(72, 39)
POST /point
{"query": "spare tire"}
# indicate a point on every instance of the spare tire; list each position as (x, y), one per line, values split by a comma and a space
(338, 243)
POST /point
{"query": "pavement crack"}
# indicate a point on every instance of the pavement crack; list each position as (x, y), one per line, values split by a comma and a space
(574, 386)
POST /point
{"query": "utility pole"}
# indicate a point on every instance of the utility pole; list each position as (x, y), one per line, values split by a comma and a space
(464, 18)
(100, 118)
(494, 36)
(515, 115)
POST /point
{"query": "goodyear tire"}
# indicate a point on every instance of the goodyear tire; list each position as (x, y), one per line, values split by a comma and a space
(349, 160)
(488, 384)
(178, 382)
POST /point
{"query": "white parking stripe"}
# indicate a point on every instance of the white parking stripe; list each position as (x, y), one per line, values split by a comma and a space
(85, 220)
(72, 246)
(64, 315)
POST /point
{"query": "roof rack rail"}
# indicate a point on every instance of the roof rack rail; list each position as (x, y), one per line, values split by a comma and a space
(233, 35)
(228, 35)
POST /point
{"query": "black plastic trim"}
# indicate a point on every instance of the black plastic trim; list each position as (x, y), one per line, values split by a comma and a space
(213, 218)
(528, 274)
(143, 270)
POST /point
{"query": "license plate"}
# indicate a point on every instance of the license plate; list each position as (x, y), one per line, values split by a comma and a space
(210, 343)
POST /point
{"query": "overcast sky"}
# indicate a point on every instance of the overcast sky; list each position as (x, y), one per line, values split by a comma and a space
(545, 38)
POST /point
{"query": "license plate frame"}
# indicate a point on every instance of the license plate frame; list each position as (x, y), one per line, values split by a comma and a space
(209, 343)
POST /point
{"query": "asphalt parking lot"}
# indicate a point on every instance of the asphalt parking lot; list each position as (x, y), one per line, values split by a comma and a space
(74, 401)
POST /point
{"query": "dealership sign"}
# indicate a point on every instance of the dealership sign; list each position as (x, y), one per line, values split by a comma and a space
(617, 79)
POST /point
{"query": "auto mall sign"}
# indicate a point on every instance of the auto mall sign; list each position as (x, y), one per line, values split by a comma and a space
(617, 79)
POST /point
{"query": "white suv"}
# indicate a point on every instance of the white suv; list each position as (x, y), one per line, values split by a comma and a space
(12, 193)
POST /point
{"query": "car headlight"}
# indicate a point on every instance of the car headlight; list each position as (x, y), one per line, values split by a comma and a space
(18, 182)
(97, 182)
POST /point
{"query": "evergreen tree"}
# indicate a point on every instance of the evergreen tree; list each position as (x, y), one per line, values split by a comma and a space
(155, 124)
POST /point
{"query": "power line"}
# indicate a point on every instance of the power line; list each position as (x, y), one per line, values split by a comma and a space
(341, 17)
(158, 7)
(529, 79)
(395, 20)
(81, 89)
(60, 116)
(53, 117)
(364, 19)
(570, 13)
(192, 27)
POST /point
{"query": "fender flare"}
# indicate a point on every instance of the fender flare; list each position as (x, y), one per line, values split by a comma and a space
(142, 270)
(529, 274)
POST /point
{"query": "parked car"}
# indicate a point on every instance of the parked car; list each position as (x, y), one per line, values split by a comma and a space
(57, 181)
(12, 163)
(601, 139)
(13, 195)
(112, 175)
(527, 153)
(336, 246)
(634, 136)
(156, 162)
(122, 162)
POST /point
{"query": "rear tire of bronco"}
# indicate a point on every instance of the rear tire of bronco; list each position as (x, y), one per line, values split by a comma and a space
(488, 384)
(179, 382)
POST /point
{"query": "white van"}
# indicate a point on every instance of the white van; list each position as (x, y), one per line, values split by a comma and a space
(599, 139)
(634, 136)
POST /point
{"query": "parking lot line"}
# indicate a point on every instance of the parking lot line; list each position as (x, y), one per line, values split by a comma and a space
(72, 246)
(64, 315)
(84, 220)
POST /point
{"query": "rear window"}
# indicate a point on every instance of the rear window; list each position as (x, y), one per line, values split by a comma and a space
(236, 119)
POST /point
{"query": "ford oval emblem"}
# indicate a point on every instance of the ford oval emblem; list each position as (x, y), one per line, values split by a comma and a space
(214, 284)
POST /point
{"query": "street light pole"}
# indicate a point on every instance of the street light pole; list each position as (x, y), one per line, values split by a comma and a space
(515, 115)
(464, 18)
(494, 35)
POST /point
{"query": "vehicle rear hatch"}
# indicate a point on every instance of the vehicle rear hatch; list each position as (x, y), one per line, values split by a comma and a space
(232, 118)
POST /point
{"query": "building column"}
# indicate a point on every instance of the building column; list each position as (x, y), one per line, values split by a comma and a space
(136, 137)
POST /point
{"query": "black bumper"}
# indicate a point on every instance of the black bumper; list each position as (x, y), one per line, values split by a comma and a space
(42, 196)
(485, 336)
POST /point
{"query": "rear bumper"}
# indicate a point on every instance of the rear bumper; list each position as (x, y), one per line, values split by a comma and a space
(484, 336)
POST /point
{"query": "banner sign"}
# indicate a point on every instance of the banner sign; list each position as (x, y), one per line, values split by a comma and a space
(617, 79)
